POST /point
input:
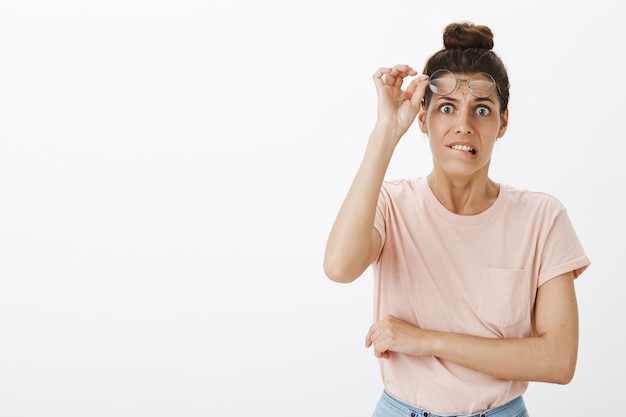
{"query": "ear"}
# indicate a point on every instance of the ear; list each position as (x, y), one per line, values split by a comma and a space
(504, 122)
(421, 119)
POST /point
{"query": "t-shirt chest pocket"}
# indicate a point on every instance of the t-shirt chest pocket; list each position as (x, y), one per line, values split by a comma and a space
(504, 298)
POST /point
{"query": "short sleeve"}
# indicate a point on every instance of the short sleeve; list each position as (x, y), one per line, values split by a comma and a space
(562, 251)
(380, 219)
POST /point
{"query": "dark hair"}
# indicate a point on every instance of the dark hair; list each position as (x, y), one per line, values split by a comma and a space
(468, 50)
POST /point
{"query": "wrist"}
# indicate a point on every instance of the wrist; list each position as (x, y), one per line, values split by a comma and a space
(384, 137)
(434, 343)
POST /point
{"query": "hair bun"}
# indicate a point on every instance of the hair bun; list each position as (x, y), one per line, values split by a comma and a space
(467, 35)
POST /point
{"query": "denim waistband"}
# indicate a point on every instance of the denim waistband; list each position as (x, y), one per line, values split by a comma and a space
(514, 408)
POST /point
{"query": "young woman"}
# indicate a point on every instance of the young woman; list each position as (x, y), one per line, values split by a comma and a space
(474, 280)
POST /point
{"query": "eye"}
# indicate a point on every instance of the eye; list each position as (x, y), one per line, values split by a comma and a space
(483, 111)
(446, 108)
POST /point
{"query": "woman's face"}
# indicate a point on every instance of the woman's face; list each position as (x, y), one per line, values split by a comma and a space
(463, 128)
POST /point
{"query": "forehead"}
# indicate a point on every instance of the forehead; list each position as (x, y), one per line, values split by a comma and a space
(461, 76)
(445, 82)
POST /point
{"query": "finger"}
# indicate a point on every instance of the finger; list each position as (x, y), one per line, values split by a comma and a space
(378, 75)
(403, 68)
(382, 77)
(417, 89)
(381, 352)
(400, 72)
(390, 75)
(419, 81)
(369, 338)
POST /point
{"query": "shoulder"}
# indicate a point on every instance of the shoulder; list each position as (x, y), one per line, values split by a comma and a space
(398, 195)
(532, 200)
(400, 192)
(399, 187)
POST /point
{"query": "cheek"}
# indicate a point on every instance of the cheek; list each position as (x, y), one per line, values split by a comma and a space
(438, 127)
(432, 124)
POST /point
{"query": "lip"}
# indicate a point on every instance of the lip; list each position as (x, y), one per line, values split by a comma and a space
(465, 144)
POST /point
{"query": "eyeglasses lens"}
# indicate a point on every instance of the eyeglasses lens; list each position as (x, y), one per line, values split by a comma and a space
(481, 85)
(444, 82)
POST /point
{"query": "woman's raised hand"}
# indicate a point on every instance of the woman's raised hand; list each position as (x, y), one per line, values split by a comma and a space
(397, 108)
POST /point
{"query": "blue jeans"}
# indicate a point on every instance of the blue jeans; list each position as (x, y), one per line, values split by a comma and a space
(389, 406)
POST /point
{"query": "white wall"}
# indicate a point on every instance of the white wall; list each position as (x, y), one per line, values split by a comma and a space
(169, 171)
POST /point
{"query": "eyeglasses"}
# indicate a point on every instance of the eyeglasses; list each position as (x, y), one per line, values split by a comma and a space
(443, 82)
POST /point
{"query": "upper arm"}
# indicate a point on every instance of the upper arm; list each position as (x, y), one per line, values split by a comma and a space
(375, 246)
(556, 320)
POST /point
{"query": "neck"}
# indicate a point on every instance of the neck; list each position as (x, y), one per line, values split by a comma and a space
(465, 196)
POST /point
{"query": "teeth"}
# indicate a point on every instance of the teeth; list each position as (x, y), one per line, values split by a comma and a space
(463, 148)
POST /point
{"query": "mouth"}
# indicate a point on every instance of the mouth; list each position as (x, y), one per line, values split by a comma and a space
(464, 148)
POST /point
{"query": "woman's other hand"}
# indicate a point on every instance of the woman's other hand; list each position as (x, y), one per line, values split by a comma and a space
(391, 334)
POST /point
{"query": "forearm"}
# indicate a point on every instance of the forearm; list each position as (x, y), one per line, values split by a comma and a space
(528, 359)
(548, 357)
(348, 248)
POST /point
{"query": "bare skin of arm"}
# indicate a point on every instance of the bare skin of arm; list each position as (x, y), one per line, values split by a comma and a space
(549, 357)
(353, 242)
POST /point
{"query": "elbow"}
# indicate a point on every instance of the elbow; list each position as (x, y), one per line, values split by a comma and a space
(337, 273)
(562, 379)
(562, 370)
(565, 375)
(340, 271)
(346, 263)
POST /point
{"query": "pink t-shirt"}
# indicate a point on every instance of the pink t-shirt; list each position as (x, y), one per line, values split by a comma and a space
(474, 275)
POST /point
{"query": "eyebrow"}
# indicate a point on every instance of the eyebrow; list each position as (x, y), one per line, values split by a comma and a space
(479, 99)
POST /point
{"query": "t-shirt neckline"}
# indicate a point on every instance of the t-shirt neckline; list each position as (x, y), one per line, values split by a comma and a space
(471, 220)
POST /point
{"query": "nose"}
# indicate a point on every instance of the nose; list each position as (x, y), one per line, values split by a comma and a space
(464, 123)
